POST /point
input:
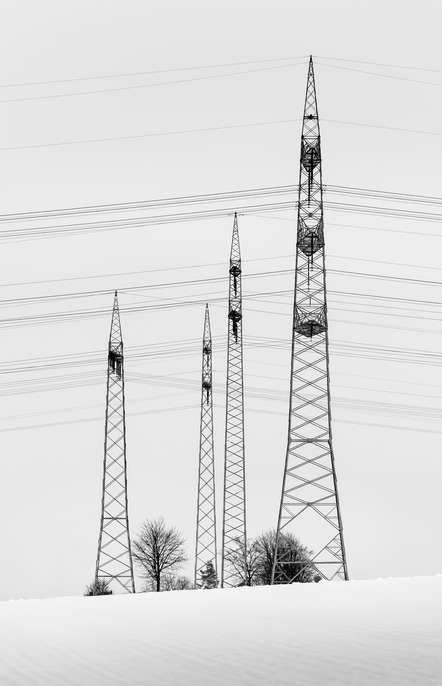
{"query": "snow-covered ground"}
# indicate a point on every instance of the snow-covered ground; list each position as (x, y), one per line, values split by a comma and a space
(361, 632)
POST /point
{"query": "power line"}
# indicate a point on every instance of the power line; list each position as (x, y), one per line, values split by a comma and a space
(383, 277)
(379, 64)
(213, 264)
(190, 347)
(384, 76)
(413, 412)
(155, 204)
(208, 129)
(147, 135)
(209, 198)
(133, 289)
(357, 226)
(147, 85)
(37, 233)
(71, 315)
(150, 73)
(384, 211)
(396, 264)
(391, 196)
(379, 126)
(220, 279)
(135, 273)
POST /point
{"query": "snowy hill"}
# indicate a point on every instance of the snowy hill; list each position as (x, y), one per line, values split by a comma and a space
(360, 632)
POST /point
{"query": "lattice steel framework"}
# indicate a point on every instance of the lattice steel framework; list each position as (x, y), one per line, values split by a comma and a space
(205, 549)
(234, 510)
(114, 559)
(309, 503)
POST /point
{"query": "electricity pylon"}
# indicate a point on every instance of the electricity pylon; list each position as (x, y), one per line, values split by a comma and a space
(309, 502)
(205, 549)
(234, 510)
(114, 559)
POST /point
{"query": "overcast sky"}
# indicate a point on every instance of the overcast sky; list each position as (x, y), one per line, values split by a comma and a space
(194, 98)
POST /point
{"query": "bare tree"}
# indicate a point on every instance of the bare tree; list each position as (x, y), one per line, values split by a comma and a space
(171, 582)
(158, 549)
(260, 556)
(246, 574)
(182, 583)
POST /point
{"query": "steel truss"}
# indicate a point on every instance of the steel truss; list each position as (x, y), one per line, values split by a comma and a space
(309, 505)
(234, 510)
(114, 559)
(205, 550)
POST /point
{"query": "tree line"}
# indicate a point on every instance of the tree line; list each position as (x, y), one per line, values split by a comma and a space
(159, 553)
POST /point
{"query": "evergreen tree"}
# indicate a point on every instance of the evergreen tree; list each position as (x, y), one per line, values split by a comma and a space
(209, 578)
(98, 587)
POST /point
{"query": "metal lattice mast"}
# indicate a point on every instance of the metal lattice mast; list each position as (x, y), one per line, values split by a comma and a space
(114, 559)
(205, 549)
(309, 502)
(234, 510)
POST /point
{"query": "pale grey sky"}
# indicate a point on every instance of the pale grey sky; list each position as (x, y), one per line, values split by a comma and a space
(389, 478)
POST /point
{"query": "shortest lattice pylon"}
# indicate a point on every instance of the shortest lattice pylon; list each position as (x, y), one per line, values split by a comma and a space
(114, 559)
(205, 550)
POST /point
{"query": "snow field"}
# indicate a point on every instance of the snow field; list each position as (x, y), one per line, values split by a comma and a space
(380, 632)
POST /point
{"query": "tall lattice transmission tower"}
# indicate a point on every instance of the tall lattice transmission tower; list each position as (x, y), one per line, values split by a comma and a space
(234, 510)
(205, 549)
(309, 502)
(114, 560)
